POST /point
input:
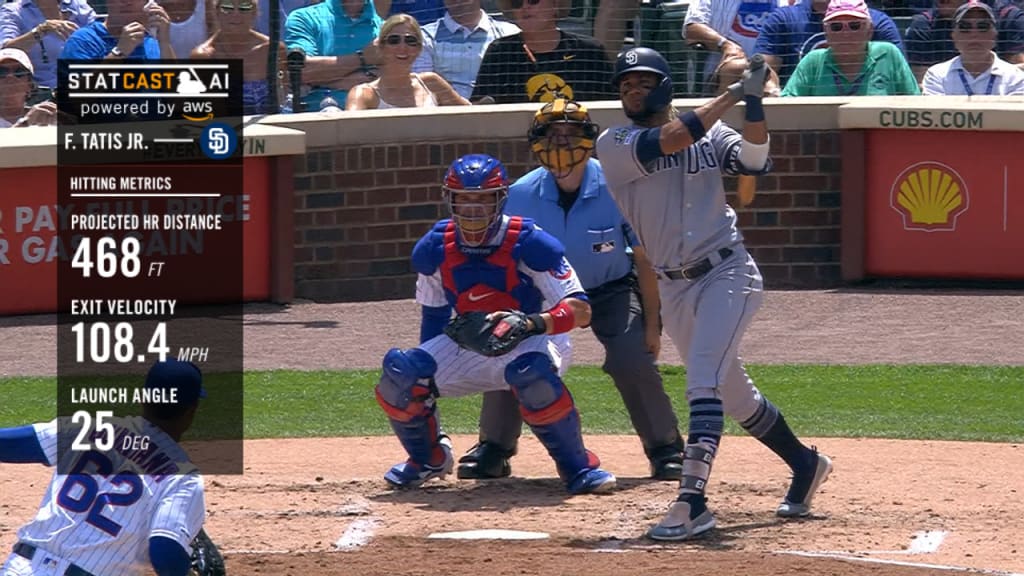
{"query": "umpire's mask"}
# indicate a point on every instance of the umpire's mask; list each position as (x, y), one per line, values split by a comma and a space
(562, 136)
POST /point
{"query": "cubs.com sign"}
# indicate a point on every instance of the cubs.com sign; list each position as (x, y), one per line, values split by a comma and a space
(930, 196)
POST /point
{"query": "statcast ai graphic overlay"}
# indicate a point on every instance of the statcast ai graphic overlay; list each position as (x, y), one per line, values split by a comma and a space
(152, 214)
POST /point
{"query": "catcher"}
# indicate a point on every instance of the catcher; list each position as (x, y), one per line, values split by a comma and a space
(516, 297)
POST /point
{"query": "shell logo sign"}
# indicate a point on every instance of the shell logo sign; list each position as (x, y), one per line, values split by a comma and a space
(930, 196)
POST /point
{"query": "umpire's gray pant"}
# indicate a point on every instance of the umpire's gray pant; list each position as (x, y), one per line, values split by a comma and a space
(618, 322)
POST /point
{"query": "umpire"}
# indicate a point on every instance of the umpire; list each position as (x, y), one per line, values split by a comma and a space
(568, 198)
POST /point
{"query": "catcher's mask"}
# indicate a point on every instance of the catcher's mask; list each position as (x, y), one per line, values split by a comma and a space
(475, 188)
(562, 136)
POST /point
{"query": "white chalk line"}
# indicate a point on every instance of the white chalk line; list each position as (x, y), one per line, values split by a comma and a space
(852, 558)
(358, 534)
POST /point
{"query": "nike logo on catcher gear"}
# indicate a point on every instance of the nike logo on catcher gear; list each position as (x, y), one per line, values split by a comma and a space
(478, 297)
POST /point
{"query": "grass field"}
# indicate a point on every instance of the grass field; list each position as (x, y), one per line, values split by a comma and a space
(941, 402)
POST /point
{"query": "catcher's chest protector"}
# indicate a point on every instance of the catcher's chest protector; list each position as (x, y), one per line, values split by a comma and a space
(482, 284)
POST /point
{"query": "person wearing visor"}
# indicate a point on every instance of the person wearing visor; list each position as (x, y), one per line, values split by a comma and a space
(481, 260)
(977, 69)
(568, 198)
(112, 512)
(853, 64)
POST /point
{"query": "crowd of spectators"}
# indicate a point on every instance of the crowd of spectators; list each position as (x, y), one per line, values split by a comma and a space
(365, 54)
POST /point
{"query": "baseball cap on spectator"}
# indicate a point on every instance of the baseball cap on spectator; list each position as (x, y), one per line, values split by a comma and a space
(184, 377)
(19, 56)
(855, 8)
(962, 11)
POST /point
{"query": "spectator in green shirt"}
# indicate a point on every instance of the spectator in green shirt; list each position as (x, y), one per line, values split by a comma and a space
(851, 65)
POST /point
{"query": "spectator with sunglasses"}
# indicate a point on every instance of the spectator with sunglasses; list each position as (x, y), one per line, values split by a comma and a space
(977, 70)
(237, 39)
(930, 34)
(790, 33)
(39, 28)
(401, 42)
(852, 65)
(338, 39)
(454, 45)
(15, 86)
(543, 63)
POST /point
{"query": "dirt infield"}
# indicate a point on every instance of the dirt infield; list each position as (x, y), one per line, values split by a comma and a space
(318, 506)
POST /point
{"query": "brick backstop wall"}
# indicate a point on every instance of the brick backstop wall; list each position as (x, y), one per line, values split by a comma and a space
(360, 209)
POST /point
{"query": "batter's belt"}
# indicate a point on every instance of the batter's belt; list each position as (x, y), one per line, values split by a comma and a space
(697, 270)
(28, 551)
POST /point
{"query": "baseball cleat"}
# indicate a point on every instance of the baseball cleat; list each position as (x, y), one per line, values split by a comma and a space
(681, 524)
(409, 474)
(485, 461)
(797, 503)
(666, 463)
(591, 481)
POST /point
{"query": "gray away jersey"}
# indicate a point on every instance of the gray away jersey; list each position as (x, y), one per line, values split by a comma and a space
(675, 203)
(102, 520)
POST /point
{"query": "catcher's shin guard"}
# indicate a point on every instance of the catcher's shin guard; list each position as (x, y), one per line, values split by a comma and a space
(548, 407)
(406, 392)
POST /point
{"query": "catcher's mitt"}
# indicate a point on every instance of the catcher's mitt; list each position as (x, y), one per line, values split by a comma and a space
(493, 334)
(206, 558)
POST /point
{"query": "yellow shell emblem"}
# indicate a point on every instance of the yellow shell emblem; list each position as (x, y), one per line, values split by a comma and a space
(547, 88)
(930, 196)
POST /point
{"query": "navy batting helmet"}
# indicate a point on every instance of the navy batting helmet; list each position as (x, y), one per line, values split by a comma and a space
(643, 59)
(476, 187)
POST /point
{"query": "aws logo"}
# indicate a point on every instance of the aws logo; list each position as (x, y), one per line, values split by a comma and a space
(197, 111)
(930, 196)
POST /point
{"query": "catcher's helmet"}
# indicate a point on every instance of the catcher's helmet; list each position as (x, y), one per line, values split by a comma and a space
(643, 59)
(466, 185)
(562, 136)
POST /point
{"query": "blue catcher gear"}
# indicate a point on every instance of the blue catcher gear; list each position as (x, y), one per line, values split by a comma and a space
(548, 407)
(643, 59)
(475, 188)
(406, 392)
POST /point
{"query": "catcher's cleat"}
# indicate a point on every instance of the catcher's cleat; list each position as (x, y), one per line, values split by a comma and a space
(805, 483)
(485, 461)
(666, 463)
(409, 474)
(591, 481)
(686, 519)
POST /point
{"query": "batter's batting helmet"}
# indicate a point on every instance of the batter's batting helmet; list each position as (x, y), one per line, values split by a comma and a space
(643, 59)
(561, 150)
(476, 216)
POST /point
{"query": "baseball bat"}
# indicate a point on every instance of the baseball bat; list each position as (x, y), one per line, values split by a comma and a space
(746, 187)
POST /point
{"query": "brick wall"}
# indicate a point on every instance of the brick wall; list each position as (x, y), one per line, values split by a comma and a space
(360, 210)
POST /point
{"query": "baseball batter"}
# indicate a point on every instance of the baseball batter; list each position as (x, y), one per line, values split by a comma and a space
(116, 512)
(665, 172)
(568, 198)
(483, 261)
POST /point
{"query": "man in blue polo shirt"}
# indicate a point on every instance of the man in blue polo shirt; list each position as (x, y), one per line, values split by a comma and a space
(568, 198)
(124, 35)
(337, 37)
(454, 46)
(791, 32)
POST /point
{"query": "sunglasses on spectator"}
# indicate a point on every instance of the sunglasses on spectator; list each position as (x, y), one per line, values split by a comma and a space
(517, 4)
(395, 40)
(982, 26)
(851, 25)
(243, 7)
(17, 72)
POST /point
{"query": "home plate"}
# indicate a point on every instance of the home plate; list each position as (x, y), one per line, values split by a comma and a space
(491, 534)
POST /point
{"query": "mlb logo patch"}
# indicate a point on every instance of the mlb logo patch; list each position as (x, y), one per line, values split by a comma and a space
(603, 247)
(624, 136)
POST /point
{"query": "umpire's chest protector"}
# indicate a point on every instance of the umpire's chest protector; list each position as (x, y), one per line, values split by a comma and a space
(486, 278)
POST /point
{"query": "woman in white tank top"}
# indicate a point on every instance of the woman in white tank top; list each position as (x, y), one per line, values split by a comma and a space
(191, 24)
(401, 41)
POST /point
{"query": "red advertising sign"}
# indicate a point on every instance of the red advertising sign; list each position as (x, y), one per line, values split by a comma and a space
(944, 205)
(30, 246)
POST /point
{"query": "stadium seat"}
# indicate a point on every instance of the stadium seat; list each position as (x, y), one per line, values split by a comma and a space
(660, 26)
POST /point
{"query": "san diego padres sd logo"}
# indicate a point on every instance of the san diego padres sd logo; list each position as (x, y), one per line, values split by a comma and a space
(631, 57)
(930, 196)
